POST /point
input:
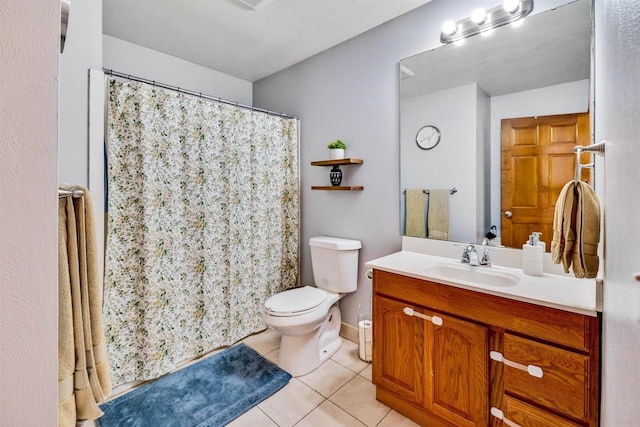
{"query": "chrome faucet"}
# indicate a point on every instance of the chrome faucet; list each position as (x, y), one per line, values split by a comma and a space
(470, 256)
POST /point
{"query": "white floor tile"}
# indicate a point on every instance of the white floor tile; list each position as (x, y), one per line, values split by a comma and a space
(358, 398)
(291, 403)
(394, 419)
(264, 342)
(348, 357)
(367, 372)
(328, 377)
(251, 418)
(273, 356)
(328, 414)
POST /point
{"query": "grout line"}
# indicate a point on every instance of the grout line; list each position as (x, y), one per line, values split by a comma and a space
(313, 409)
(385, 416)
(266, 415)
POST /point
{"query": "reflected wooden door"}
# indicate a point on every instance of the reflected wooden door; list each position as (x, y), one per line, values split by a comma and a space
(537, 161)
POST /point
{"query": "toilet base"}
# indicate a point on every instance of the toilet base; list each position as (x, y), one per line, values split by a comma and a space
(301, 354)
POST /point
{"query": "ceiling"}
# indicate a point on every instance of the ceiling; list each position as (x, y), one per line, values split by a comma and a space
(249, 43)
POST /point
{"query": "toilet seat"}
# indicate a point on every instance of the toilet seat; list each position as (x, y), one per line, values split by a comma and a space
(295, 302)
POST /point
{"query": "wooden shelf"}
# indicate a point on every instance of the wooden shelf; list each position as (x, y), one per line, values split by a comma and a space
(347, 161)
(339, 188)
(338, 162)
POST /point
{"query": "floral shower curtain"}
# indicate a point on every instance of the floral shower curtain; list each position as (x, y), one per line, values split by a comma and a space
(202, 228)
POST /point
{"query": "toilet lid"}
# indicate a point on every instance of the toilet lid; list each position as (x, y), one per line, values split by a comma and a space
(296, 300)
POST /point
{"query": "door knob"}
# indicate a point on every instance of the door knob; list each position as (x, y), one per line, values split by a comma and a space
(508, 214)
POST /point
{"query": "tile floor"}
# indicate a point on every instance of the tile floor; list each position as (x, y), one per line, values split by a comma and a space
(338, 393)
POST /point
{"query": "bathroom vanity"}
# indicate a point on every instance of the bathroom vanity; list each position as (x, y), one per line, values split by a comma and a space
(455, 345)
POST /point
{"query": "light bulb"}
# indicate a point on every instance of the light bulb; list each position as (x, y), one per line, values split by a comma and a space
(449, 27)
(479, 16)
(511, 6)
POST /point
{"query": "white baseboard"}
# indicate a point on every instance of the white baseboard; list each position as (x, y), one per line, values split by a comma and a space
(349, 332)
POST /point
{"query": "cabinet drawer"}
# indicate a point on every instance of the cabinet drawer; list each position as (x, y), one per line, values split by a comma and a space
(564, 383)
(529, 416)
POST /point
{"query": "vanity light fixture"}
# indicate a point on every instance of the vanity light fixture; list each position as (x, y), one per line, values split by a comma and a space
(481, 20)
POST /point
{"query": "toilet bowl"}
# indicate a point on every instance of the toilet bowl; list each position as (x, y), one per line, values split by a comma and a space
(309, 317)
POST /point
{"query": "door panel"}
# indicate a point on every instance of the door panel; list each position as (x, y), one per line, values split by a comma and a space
(537, 161)
(398, 350)
(458, 366)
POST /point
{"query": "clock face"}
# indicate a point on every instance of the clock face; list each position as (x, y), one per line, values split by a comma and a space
(428, 137)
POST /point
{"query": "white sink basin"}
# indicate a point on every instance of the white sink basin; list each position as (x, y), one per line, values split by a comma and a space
(474, 275)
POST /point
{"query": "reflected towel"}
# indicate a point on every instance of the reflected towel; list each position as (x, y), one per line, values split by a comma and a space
(415, 213)
(438, 215)
(576, 230)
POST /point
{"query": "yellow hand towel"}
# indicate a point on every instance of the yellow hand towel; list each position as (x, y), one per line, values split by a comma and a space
(576, 230)
(415, 212)
(438, 214)
(564, 235)
(83, 371)
(585, 258)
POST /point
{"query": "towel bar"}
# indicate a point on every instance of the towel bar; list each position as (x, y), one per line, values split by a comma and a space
(579, 149)
(75, 193)
(452, 191)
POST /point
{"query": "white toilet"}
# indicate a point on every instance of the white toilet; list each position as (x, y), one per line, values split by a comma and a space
(309, 318)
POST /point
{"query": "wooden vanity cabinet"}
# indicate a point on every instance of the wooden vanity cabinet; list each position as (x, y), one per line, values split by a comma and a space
(432, 360)
(446, 356)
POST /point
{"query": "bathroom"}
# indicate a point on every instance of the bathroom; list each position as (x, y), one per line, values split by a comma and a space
(362, 109)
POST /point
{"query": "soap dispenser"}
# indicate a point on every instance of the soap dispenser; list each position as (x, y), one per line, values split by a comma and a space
(532, 252)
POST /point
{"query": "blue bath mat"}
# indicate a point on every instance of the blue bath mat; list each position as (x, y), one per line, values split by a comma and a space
(209, 393)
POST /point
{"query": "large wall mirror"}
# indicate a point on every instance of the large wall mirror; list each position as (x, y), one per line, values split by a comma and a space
(509, 107)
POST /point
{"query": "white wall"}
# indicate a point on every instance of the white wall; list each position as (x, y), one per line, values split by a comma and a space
(125, 57)
(559, 99)
(351, 92)
(616, 119)
(29, 46)
(453, 112)
(483, 165)
(82, 51)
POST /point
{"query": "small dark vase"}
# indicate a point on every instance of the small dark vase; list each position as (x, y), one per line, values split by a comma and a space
(335, 175)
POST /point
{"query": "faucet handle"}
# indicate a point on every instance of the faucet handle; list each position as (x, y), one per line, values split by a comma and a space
(485, 260)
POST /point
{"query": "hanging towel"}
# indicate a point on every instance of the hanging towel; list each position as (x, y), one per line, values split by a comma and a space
(83, 368)
(438, 214)
(576, 230)
(415, 213)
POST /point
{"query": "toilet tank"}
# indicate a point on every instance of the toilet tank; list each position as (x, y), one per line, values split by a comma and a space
(335, 263)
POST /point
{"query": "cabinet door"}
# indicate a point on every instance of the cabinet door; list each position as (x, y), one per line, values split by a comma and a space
(457, 368)
(398, 355)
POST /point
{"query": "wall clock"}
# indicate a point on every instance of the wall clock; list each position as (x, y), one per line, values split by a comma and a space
(428, 137)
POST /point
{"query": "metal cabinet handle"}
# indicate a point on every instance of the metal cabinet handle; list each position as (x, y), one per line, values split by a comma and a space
(533, 370)
(508, 214)
(433, 319)
(500, 415)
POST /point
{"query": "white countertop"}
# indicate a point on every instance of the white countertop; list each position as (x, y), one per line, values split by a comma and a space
(583, 296)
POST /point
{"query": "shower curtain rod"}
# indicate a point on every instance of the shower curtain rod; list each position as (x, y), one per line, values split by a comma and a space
(193, 93)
